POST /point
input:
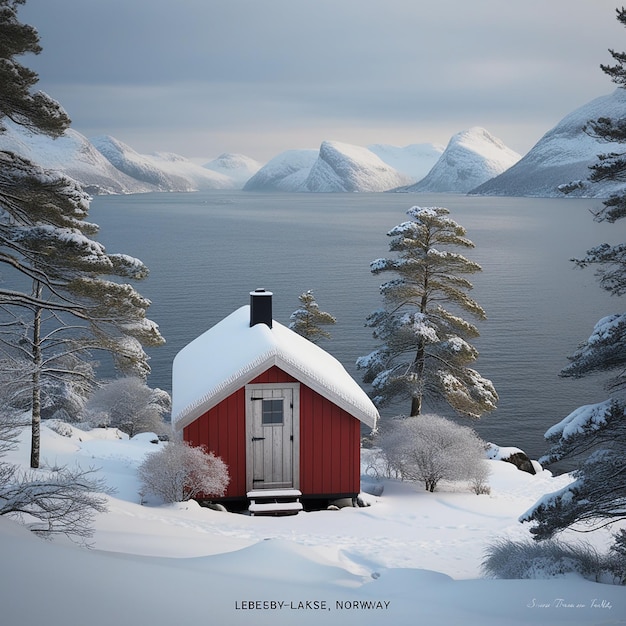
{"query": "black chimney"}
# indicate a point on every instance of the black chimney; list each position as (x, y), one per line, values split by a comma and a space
(261, 307)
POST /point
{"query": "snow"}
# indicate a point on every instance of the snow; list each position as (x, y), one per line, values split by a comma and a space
(165, 171)
(589, 416)
(411, 557)
(563, 155)
(471, 157)
(287, 171)
(73, 155)
(106, 165)
(335, 167)
(232, 352)
(343, 167)
(238, 167)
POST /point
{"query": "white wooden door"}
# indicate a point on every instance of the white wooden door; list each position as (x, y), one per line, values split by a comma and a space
(272, 427)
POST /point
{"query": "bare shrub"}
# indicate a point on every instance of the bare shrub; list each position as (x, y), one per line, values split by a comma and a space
(60, 501)
(547, 559)
(429, 448)
(180, 472)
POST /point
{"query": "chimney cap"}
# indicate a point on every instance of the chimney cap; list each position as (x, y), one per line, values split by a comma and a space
(261, 292)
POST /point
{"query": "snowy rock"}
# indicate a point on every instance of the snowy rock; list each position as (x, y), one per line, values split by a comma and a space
(515, 456)
(285, 172)
(414, 161)
(562, 156)
(471, 158)
(238, 167)
(343, 167)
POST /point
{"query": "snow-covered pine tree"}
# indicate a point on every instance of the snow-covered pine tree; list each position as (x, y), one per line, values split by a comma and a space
(598, 494)
(308, 319)
(425, 350)
(61, 294)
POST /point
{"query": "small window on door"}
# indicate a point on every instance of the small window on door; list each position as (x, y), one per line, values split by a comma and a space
(272, 411)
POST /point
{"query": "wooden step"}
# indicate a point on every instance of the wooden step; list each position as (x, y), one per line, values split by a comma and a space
(274, 501)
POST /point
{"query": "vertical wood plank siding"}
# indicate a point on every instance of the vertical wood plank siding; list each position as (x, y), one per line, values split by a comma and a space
(329, 440)
(329, 447)
(222, 430)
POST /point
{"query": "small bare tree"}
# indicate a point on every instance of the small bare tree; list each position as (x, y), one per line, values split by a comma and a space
(430, 448)
(48, 501)
(60, 501)
(180, 472)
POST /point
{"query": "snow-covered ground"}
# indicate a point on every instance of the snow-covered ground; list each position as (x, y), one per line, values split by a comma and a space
(411, 557)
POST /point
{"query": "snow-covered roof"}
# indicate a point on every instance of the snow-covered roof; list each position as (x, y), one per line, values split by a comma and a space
(232, 353)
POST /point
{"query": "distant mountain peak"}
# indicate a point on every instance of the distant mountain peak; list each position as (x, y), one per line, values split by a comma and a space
(335, 167)
(471, 157)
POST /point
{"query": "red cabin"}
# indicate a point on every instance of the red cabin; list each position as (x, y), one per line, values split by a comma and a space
(282, 413)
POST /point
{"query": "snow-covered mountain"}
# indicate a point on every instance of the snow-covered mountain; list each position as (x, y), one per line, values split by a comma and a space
(562, 155)
(105, 165)
(471, 157)
(415, 160)
(344, 167)
(237, 167)
(336, 167)
(287, 171)
(73, 155)
(164, 171)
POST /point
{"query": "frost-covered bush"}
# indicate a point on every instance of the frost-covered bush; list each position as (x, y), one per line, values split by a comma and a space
(179, 472)
(429, 448)
(130, 405)
(547, 559)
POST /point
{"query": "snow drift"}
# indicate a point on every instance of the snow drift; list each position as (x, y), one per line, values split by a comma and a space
(562, 155)
(410, 557)
(472, 157)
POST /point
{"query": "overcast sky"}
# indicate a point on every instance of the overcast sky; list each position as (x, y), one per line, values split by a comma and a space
(202, 77)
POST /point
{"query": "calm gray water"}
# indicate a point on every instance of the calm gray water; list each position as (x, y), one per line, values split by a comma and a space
(207, 251)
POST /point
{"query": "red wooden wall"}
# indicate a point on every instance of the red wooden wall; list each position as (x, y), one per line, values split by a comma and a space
(222, 430)
(330, 447)
(329, 440)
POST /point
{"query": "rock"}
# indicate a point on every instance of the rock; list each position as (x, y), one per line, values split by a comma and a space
(522, 462)
(515, 456)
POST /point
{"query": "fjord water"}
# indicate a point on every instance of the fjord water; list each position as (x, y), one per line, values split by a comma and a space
(207, 251)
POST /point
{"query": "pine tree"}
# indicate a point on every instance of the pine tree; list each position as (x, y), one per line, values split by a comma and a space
(66, 298)
(598, 494)
(308, 319)
(425, 350)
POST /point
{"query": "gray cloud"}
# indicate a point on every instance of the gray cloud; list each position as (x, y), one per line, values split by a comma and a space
(163, 75)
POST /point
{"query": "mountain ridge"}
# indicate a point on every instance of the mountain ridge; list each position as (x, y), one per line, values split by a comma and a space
(563, 155)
